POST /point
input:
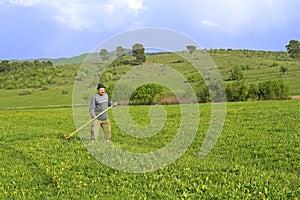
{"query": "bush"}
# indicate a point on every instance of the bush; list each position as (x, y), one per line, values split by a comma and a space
(269, 90)
(44, 88)
(253, 91)
(236, 73)
(64, 92)
(148, 94)
(273, 90)
(203, 94)
(238, 91)
(26, 92)
(283, 69)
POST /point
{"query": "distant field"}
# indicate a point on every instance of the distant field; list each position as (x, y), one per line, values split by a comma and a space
(52, 97)
(256, 157)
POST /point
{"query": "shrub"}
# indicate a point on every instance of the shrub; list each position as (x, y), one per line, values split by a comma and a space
(203, 94)
(253, 91)
(268, 90)
(148, 94)
(274, 64)
(64, 92)
(238, 91)
(44, 88)
(283, 69)
(273, 90)
(25, 92)
(236, 73)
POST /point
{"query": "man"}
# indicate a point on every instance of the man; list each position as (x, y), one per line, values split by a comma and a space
(99, 103)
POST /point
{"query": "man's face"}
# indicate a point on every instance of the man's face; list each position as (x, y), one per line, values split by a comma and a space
(101, 91)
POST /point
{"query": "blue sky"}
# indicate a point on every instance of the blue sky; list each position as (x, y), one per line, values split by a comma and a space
(64, 28)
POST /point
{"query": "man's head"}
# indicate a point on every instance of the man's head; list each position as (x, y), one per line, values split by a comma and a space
(101, 89)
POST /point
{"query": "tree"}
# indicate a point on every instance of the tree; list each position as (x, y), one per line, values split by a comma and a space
(4, 66)
(138, 52)
(120, 52)
(104, 54)
(283, 69)
(236, 73)
(49, 63)
(120, 60)
(293, 48)
(191, 49)
(37, 63)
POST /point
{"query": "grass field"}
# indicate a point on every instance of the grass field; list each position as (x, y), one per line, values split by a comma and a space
(256, 157)
(10, 99)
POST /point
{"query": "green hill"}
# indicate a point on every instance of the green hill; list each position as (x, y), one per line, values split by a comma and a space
(68, 61)
(26, 79)
(257, 66)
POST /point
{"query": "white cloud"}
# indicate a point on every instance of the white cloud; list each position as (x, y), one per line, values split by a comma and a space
(135, 5)
(231, 16)
(209, 23)
(235, 16)
(92, 15)
(25, 2)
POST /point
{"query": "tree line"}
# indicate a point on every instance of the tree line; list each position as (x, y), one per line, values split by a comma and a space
(122, 54)
(151, 94)
(35, 74)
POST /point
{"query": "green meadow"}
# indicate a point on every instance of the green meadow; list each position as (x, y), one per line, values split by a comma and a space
(10, 99)
(256, 157)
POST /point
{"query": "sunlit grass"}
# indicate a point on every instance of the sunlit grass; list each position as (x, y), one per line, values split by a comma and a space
(256, 157)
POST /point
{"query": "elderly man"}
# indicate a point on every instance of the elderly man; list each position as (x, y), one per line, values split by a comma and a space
(99, 103)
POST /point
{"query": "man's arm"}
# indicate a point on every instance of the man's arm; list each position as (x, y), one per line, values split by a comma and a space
(110, 103)
(92, 107)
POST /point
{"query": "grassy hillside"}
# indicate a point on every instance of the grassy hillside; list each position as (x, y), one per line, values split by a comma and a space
(11, 99)
(258, 66)
(67, 61)
(261, 66)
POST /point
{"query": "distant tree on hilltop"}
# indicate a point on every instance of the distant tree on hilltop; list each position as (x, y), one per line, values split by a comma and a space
(293, 48)
(236, 73)
(138, 51)
(120, 51)
(191, 49)
(104, 54)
